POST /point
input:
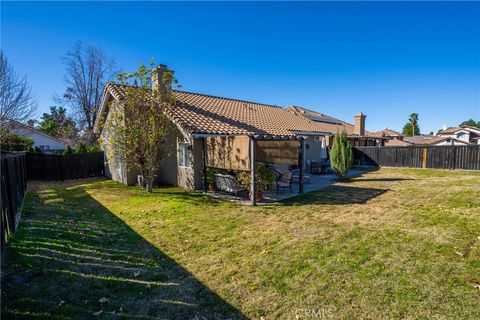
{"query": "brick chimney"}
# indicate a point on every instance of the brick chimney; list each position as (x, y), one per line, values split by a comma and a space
(31, 123)
(162, 78)
(359, 126)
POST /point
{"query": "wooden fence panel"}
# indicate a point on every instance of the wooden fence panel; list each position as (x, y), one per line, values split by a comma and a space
(436, 157)
(64, 167)
(13, 187)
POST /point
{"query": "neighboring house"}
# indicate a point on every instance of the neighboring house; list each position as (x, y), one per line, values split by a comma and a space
(426, 140)
(467, 134)
(390, 134)
(198, 117)
(357, 135)
(43, 141)
(397, 143)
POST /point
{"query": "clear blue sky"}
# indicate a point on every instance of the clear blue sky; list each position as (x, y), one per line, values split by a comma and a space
(384, 59)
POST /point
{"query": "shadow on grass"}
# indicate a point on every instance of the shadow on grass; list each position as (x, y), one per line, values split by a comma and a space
(336, 195)
(377, 179)
(73, 258)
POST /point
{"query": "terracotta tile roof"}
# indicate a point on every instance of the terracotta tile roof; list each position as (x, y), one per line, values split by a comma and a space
(426, 140)
(397, 143)
(205, 114)
(377, 134)
(331, 124)
(450, 130)
(328, 122)
(391, 133)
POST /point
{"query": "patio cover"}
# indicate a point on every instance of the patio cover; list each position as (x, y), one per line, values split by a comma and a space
(232, 152)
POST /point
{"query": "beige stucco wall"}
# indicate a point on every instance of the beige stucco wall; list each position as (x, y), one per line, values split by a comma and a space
(186, 177)
(197, 164)
(191, 178)
(167, 173)
(114, 169)
(312, 152)
(118, 171)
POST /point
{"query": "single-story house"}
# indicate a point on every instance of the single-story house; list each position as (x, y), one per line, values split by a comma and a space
(467, 134)
(41, 140)
(425, 140)
(220, 132)
(391, 134)
(357, 135)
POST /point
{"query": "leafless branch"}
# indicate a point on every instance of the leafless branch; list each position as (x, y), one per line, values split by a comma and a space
(88, 70)
(16, 99)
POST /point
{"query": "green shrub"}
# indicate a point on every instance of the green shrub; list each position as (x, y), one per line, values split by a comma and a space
(82, 148)
(94, 148)
(68, 150)
(341, 155)
(265, 178)
(38, 150)
(10, 141)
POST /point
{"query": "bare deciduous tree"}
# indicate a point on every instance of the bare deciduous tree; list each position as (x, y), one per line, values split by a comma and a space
(16, 99)
(88, 70)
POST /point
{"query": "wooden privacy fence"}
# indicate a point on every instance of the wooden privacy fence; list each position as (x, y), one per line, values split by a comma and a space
(64, 167)
(13, 186)
(436, 157)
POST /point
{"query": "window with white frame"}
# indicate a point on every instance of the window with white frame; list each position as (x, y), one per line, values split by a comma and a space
(184, 155)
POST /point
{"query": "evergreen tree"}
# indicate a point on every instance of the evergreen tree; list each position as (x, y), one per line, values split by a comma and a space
(411, 128)
(58, 124)
(68, 150)
(82, 148)
(341, 155)
(471, 123)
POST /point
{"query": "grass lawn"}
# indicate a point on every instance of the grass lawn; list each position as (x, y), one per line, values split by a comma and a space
(394, 243)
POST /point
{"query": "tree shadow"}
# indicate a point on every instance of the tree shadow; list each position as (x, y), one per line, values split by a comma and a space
(336, 195)
(73, 258)
(377, 179)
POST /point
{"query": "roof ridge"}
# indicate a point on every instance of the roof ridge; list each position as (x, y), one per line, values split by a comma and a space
(231, 99)
(205, 95)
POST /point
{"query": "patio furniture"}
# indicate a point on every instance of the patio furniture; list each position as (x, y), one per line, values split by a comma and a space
(285, 182)
(296, 176)
(227, 183)
(278, 174)
(315, 168)
(324, 167)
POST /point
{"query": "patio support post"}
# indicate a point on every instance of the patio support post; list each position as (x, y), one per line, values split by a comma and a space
(204, 158)
(253, 183)
(300, 166)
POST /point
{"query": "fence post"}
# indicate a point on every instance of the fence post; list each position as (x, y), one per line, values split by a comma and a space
(424, 158)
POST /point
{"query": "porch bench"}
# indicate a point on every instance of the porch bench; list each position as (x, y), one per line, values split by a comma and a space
(227, 183)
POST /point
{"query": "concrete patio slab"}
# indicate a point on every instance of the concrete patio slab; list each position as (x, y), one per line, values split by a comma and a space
(317, 182)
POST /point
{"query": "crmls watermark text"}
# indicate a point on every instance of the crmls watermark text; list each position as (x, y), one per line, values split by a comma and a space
(318, 313)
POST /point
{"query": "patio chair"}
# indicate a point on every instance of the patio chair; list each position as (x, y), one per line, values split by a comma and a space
(285, 181)
(315, 168)
(296, 176)
(278, 174)
(325, 167)
(227, 183)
